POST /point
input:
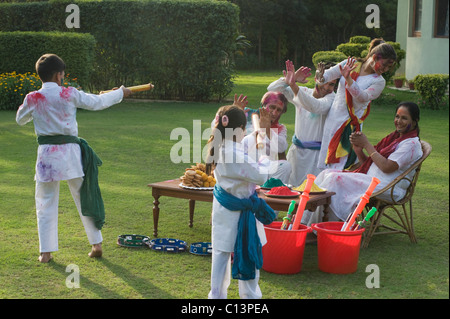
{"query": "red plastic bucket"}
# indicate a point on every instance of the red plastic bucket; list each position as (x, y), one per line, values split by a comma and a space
(338, 251)
(283, 252)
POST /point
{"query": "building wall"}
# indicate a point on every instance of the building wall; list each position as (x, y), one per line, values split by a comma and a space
(425, 54)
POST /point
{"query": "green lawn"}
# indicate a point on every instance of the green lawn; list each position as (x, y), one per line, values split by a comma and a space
(133, 140)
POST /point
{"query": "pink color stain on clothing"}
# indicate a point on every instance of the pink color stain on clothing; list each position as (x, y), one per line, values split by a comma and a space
(65, 93)
(37, 100)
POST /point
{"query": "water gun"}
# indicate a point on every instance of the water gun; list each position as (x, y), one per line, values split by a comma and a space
(362, 203)
(257, 128)
(137, 88)
(288, 218)
(303, 200)
(363, 223)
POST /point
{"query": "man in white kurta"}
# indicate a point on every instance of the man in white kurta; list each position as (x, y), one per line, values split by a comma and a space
(276, 145)
(311, 109)
(53, 112)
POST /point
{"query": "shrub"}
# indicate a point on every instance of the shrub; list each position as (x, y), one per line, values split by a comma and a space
(431, 88)
(184, 47)
(361, 39)
(21, 50)
(328, 56)
(352, 49)
(15, 86)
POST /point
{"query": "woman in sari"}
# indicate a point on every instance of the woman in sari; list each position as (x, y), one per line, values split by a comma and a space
(393, 155)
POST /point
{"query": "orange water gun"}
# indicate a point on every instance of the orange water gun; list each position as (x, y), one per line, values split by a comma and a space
(362, 203)
(303, 200)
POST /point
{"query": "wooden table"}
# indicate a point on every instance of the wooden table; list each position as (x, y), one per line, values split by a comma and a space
(171, 188)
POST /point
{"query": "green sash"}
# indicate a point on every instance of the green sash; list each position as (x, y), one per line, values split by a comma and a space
(90, 196)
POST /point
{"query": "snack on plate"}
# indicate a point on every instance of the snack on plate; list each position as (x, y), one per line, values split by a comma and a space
(314, 188)
(196, 176)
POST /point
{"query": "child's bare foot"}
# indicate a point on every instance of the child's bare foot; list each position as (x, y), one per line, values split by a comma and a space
(96, 251)
(45, 257)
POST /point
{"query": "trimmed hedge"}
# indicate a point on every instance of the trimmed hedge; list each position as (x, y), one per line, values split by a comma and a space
(328, 56)
(432, 88)
(184, 47)
(362, 39)
(352, 49)
(21, 50)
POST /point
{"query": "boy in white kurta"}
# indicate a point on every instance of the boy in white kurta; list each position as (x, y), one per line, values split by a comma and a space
(53, 112)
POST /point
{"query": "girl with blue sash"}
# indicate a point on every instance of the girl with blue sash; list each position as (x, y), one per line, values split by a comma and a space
(238, 214)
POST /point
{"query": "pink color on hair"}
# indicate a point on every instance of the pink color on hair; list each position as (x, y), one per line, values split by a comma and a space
(271, 98)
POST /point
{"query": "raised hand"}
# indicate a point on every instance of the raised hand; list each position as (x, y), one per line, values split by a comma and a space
(264, 118)
(348, 67)
(289, 73)
(240, 101)
(302, 74)
(319, 73)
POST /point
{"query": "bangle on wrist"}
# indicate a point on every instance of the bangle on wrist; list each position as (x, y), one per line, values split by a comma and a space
(372, 153)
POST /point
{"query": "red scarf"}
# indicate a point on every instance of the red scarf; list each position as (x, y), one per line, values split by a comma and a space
(339, 145)
(386, 147)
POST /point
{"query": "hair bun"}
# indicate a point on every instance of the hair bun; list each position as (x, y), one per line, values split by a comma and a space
(376, 42)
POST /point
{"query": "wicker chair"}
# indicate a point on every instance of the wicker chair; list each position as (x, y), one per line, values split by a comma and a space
(403, 219)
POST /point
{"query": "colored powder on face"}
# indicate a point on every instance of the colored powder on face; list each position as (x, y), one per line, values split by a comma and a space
(273, 182)
(283, 190)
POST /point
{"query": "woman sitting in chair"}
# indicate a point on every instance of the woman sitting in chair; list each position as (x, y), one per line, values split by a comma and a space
(393, 155)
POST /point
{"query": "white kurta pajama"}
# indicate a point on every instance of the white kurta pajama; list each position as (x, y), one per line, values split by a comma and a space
(349, 187)
(310, 116)
(365, 89)
(238, 177)
(53, 112)
(280, 169)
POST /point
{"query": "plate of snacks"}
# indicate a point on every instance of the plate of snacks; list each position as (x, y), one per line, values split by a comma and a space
(196, 178)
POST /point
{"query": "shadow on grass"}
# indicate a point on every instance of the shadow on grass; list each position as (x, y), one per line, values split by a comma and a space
(142, 286)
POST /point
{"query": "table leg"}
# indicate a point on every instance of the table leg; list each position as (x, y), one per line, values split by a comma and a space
(325, 212)
(155, 215)
(191, 212)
